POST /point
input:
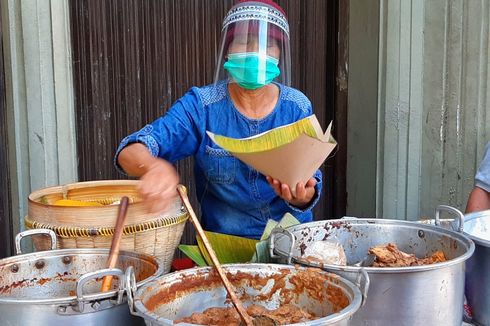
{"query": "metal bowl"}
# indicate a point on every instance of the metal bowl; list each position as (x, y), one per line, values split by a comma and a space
(180, 294)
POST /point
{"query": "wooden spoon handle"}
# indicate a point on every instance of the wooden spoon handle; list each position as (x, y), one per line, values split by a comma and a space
(116, 242)
(229, 287)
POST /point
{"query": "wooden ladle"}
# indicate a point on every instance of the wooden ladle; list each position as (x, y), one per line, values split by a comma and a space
(116, 242)
(229, 287)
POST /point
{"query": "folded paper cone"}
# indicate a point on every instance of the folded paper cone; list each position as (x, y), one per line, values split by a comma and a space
(290, 153)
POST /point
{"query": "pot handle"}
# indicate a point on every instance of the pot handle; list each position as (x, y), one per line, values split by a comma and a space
(459, 217)
(130, 284)
(28, 233)
(363, 286)
(273, 238)
(99, 274)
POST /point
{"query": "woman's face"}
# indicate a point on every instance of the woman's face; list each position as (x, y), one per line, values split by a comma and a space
(250, 43)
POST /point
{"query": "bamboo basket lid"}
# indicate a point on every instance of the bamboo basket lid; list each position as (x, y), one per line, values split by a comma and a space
(41, 208)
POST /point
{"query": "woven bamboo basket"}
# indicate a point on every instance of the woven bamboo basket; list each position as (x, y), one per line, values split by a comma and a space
(93, 226)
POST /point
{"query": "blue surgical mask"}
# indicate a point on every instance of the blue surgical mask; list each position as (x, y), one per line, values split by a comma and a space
(250, 70)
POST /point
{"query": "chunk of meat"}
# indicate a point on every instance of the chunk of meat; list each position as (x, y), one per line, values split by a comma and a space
(285, 314)
(388, 255)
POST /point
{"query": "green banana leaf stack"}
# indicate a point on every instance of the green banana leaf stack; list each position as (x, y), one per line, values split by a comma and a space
(232, 249)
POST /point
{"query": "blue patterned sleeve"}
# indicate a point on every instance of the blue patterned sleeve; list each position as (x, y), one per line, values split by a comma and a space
(316, 196)
(173, 136)
(482, 178)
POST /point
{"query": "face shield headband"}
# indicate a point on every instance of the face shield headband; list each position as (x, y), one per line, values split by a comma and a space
(257, 11)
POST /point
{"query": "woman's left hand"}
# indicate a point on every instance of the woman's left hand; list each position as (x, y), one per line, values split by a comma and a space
(304, 192)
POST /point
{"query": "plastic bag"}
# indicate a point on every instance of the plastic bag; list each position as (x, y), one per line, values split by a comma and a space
(326, 252)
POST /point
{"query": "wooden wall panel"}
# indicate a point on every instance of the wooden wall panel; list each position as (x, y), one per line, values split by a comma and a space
(6, 223)
(435, 121)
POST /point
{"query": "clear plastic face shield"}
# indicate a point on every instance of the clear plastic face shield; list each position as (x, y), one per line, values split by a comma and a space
(255, 47)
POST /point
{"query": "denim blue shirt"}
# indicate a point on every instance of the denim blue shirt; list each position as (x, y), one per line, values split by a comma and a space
(235, 198)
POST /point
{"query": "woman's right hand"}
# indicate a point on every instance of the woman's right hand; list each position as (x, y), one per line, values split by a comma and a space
(158, 186)
(159, 178)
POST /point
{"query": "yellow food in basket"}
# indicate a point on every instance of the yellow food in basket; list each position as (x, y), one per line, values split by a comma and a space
(71, 202)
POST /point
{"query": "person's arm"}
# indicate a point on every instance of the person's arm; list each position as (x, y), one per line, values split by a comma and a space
(135, 159)
(150, 152)
(479, 200)
(159, 178)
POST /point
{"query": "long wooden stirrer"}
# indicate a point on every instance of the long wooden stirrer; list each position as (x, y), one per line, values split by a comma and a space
(116, 242)
(229, 287)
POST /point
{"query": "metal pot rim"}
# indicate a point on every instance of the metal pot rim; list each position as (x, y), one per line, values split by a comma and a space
(385, 270)
(474, 216)
(71, 252)
(353, 306)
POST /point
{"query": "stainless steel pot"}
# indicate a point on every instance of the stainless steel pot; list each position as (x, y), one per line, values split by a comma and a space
(477, 228)
(62, 287)
(416, 295)
(180, 294)
(477, 282)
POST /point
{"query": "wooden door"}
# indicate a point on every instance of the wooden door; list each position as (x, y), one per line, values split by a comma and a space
(6, 225)
(134, 58)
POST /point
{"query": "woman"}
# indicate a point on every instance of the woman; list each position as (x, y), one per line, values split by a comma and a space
(250, 96)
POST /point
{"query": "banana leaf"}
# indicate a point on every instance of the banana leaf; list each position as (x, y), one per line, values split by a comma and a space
(194, 253)
(232, 249)
(261, 254)
(268, 140)
(286, 221)
(271, 224)
(228, 248)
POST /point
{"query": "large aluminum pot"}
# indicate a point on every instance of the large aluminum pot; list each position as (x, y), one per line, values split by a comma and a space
(477, 227)
(62, 287)
(180, 294)
(416, 295)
